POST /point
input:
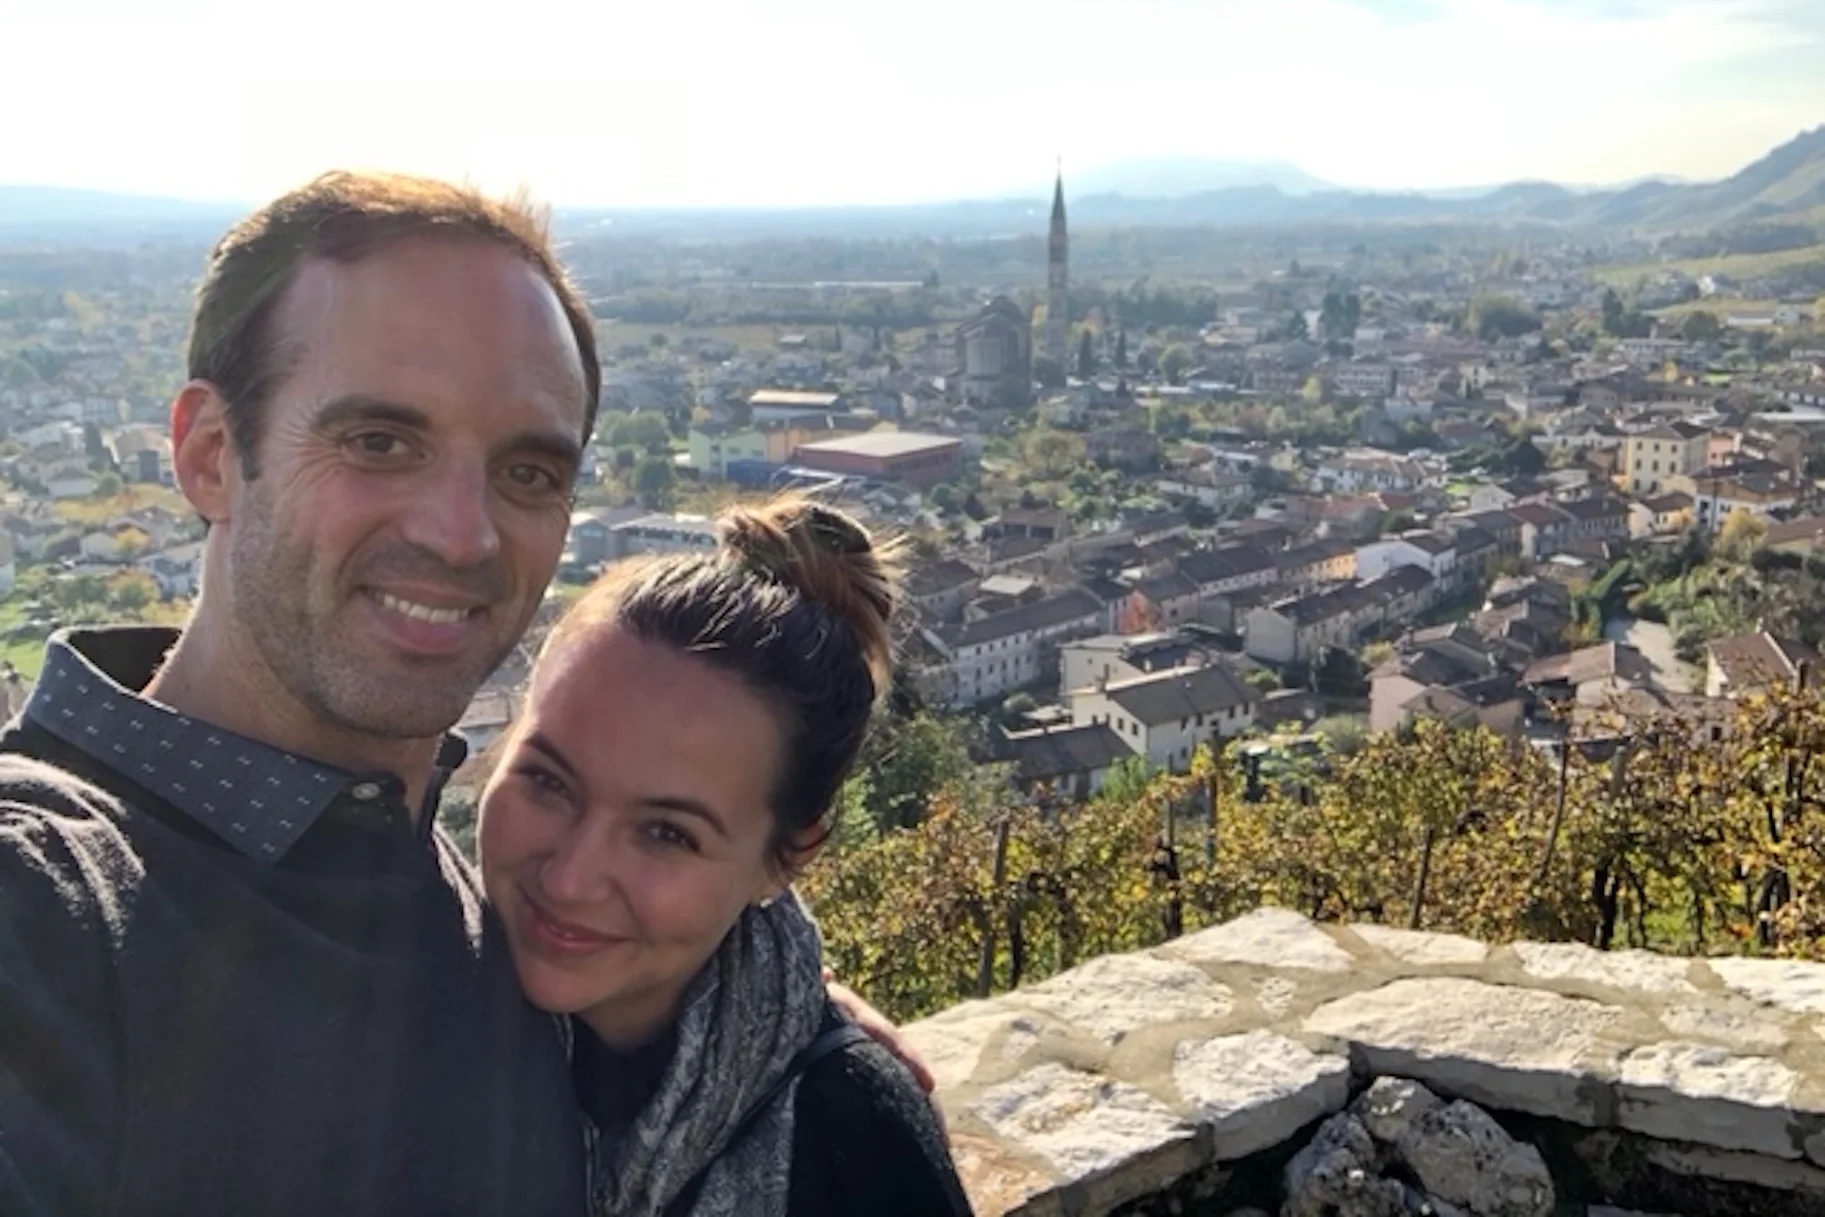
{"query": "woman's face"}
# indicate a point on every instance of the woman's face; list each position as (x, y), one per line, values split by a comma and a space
(627, 827)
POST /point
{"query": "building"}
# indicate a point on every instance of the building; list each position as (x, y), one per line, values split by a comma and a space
(1365, 380)
(994, 655)
(1747, 663)
(1165, 716)
(1660, 515)
(1431, 552)
(1719, 492)
(1545, 529)
(1070, 763)
(1300, 628)
(995, 357)
(777, 405)
(661, 534)
(1058, 304)
(887, 456)
(1803, 536)
(939, 590)
(1652, 458)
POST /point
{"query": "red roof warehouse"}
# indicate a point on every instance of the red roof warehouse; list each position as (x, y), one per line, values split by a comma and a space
(890, 456)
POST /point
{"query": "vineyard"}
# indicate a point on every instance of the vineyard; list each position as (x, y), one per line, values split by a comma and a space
(1678, 834)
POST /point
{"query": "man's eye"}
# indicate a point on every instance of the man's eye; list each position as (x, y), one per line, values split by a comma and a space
(532, 477)
(376, 443)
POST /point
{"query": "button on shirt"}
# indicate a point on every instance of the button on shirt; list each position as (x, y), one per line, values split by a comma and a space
(236, 980)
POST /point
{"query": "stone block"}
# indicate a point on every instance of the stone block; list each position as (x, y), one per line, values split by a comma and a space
(1110, 1141)
(1116, 994)
(1421, 946)
(1267, 937)
(1706, 1095)
(996, 1179)
(1257, 1090)
(1789, 984)
(1641, 970)
(1508, 1048)
(1747, 1031)
(954, 1042)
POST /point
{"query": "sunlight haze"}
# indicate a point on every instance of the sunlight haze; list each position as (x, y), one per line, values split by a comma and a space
(705, 103)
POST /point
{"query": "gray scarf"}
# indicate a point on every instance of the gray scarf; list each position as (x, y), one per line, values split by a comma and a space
(755, 1005)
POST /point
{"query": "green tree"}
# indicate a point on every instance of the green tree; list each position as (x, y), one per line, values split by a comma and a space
(131, 597)
(1086, 355)
(107, 485)
(1173, 362)
(1121, 350)
(646, 430)
(944, 497)
(1701, 325)
(910, 760)
(1740, 536)
(653, 482)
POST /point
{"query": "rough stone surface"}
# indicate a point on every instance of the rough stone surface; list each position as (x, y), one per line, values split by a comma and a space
(1462, 1156)
(1514, 1048)
(1740, 1030)
(1615, 969)
(1086, 1126)
(1390, 1108)
(1338, 1174)
(1115, 994)
(1130, 1073)
(961, 1040)
(1269, 937)
(1421, 946)
(1799, 987)
(1258, 1089)
(1275, 994)
(1699, 1092)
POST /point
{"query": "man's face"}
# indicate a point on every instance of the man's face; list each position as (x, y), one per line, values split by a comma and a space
(414, 480)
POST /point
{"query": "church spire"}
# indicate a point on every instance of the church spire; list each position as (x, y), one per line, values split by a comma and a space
(1058, 306)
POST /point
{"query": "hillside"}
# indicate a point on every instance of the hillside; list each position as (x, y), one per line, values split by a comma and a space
(1774, 203)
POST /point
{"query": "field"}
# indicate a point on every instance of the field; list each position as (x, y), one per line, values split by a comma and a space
(1738, 266)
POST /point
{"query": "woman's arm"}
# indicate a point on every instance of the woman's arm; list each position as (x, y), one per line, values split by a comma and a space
(866, 1140)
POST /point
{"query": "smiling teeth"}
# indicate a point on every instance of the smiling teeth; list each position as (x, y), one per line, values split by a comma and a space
(422, 612)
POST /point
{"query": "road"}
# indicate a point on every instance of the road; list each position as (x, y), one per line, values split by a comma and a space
(1655, 642)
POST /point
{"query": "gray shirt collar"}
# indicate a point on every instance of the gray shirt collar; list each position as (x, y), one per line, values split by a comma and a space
(257, 798)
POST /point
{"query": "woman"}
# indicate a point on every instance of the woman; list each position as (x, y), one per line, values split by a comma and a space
(688, 727)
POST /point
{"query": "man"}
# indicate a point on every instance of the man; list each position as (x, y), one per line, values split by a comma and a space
(239, 971)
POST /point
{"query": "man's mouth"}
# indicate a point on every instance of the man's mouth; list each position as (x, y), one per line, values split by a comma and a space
(423, 612)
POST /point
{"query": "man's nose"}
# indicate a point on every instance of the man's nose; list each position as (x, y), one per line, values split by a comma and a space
(452, 515)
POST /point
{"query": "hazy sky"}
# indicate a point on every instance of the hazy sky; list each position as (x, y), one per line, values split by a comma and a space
(781, 102)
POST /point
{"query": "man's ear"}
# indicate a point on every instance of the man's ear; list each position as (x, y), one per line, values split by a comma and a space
(202, 456)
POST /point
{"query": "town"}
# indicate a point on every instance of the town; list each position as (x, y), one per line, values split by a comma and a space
(1503, 485)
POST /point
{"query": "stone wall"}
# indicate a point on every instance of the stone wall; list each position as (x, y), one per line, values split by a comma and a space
(1133, 1073)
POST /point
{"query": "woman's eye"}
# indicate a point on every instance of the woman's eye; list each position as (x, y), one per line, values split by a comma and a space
(671, 835)
(544, 779)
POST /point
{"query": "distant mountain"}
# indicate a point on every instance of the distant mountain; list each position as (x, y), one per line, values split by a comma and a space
(1787, 185)
(1171, 178)
(55, 213)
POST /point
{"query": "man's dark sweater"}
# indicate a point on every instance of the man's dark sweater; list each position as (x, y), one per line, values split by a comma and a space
(234, 981)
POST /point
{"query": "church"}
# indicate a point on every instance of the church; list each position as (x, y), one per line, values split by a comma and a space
(995, 347)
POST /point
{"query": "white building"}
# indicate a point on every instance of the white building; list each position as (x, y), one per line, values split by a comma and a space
(995, 655)
(1165, 716)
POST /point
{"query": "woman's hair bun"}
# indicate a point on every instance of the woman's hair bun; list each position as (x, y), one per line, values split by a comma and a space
(829, 559)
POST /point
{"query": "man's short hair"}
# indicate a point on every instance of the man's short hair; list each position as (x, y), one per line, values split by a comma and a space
(344, 217)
